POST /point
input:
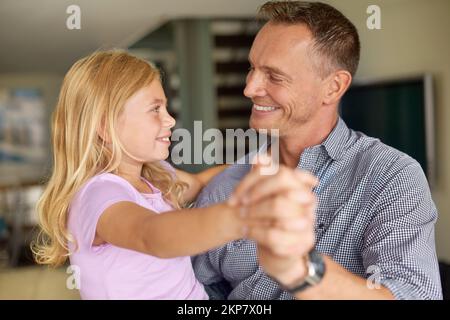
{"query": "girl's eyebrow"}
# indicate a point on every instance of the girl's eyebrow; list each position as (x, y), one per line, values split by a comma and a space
(158, 101)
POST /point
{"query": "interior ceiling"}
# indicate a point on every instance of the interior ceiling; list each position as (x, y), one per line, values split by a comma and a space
(34, 36)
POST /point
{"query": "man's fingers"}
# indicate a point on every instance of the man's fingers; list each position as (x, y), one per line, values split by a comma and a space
(282, 243)
(306, 178)
(297, 224)
(283, 263)
(280, 207)
(294, 190)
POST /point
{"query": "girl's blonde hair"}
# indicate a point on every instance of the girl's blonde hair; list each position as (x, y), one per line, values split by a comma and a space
(92, 96)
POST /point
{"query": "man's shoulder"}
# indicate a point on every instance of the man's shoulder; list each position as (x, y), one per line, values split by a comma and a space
(222, 185)
(381, 159)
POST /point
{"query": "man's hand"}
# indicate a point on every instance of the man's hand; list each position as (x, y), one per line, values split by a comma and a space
(280, 209)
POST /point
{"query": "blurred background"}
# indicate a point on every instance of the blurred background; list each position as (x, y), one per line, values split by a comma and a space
(401, 93)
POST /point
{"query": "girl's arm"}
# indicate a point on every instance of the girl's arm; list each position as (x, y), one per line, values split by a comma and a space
(197, 181)
(171, 234)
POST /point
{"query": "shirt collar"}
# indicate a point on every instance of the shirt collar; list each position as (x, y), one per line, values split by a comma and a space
(335, 143)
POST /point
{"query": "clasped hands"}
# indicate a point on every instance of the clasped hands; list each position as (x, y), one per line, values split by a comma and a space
(280, 213)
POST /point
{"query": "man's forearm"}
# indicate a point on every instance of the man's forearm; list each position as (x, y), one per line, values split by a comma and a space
(338, 283)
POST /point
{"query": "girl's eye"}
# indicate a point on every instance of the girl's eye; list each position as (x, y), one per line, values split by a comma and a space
(156, 109)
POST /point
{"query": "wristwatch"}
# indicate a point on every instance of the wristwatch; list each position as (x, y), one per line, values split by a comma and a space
(316, 271)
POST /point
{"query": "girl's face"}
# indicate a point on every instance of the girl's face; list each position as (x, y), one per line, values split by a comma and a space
(144, 125)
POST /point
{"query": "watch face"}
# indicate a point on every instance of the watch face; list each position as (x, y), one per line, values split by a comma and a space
(316, 270)
(316, 259)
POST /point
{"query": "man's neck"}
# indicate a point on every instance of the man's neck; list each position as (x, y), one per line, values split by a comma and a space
(310, 134)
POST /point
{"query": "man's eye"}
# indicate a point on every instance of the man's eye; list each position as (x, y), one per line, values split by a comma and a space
(156, 109)
(275, 79)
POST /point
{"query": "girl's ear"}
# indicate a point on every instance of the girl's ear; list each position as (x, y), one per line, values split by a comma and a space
(102, 132)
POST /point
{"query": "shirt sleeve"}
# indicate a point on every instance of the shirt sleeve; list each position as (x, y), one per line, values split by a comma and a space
(399, 246)
(204, 268)
(93, 201)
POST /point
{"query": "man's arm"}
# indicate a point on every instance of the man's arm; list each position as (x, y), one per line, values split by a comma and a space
(338, 283)
(398, 247)
(206, 271)
(197, 181)
(399, 242)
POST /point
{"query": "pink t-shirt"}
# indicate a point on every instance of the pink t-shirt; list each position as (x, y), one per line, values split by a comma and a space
(111, 272)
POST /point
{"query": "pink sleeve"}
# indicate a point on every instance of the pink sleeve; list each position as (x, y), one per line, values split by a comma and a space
(96, 197)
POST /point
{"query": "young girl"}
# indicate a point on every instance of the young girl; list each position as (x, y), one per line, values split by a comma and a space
(103, 206)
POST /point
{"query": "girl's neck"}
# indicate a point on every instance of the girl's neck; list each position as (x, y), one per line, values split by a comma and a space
(133, 174)
(132, 171)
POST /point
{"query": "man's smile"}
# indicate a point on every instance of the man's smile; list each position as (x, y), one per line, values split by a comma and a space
(259, 109)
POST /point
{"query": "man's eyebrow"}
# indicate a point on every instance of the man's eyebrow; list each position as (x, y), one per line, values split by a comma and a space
(277, 71)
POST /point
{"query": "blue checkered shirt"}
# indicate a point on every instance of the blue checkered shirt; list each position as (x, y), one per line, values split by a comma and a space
(375, 217)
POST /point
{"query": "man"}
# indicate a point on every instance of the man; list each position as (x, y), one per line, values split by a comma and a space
(374, 224)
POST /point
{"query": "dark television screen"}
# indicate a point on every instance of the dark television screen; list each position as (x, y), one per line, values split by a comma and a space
(393, 111)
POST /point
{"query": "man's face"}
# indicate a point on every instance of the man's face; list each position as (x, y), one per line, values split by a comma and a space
(282, 83)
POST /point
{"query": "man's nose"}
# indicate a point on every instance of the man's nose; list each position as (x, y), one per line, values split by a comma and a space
(255, 86)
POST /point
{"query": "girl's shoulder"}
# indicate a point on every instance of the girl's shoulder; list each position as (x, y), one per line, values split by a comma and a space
(107, 179)
(107, 184)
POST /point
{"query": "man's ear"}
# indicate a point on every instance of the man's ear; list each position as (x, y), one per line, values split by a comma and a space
(337, 84)
(103, 133)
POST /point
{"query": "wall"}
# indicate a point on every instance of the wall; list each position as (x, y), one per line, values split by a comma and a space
(48, 83)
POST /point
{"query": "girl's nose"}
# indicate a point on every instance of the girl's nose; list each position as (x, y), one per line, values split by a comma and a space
(169, 121)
